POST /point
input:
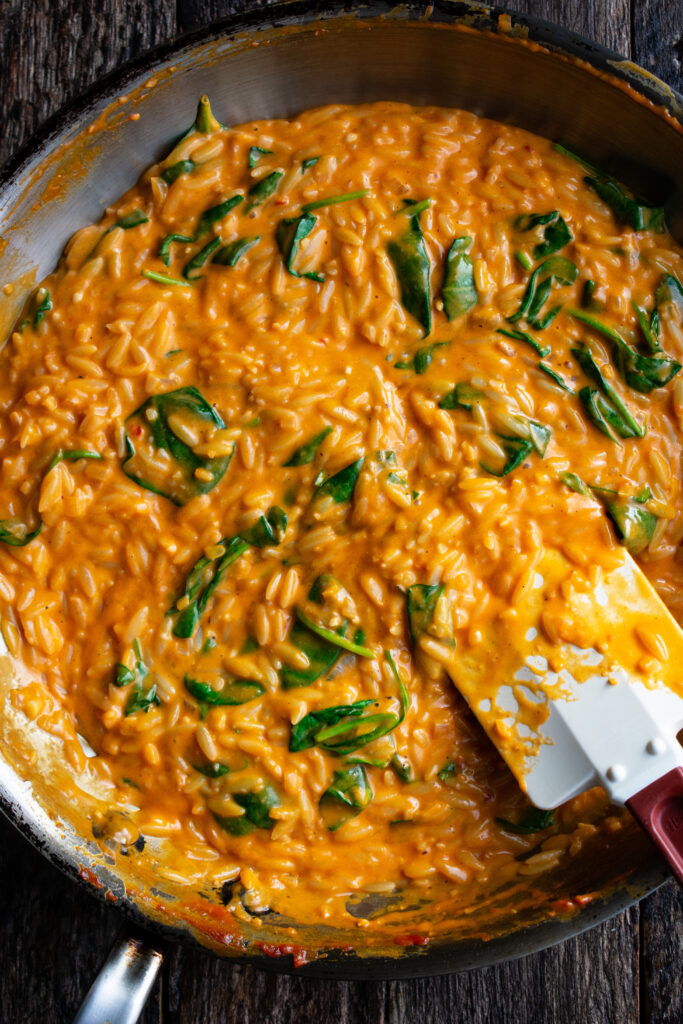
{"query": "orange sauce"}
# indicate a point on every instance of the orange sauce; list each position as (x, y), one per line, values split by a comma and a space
(178, 683)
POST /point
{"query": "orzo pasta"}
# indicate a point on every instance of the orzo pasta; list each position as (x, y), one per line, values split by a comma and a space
(294, 421)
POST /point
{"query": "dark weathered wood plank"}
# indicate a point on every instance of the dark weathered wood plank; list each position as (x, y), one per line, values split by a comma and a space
(658, 38)
(53, 938)
(662, 955)
(195, 13)
(606, 21)
(591, 980)
(50, 52)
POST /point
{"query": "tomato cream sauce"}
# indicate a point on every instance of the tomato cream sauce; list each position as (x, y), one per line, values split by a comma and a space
(283, 436)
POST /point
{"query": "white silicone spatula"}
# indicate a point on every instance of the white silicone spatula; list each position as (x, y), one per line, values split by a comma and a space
(582, 687)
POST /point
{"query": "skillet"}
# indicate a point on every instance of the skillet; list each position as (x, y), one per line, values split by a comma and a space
(455, 54)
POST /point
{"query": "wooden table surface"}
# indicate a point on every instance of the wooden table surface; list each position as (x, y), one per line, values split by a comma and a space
(53, 938)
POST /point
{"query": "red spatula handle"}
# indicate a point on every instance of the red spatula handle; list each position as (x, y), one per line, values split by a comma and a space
(659, 809)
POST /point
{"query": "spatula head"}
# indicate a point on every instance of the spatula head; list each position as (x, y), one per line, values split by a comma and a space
(581, 684)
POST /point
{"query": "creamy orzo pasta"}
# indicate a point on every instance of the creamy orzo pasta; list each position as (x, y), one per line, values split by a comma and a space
(284, 430)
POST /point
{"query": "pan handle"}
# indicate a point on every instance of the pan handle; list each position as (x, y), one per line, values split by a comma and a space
(659, 809)
(119, 992)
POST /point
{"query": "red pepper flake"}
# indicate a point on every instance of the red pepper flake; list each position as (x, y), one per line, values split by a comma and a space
(411, 940)
(563, 906)
(281, 202)
(89, 876)
(111, 896)
(298, 953)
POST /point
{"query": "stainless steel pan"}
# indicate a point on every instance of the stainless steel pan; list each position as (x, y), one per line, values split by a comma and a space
(275, 62)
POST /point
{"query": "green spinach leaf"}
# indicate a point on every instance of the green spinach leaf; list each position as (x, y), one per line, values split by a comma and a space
(141, 699)
(38, 307)
(555, 236)
(164, 255)
(410, 260)
(303, 734)
(206, 221)
(516, 451)
(318, 204)
(124, 676)
(171, 174)
(214, 214)
(422, 359)
(205, 121)
(649, 326)
(638, 214)
(556, 377)
(289, 234)
(304, 455)
(263, 189)
(528, 339)
(459, 292)
(178, 474)
(152, 275)
(403, 768)
(212, 769)
(16, 533)
(201, 582)
(130, 220)
(348, 794)
(332, 637)
(463, 396)
(255, 154)
(230, 254)
(576, 484)
(200, 259)
(233, 692)
(532, 820)
(529, 430)
(640, 372)
(669, 290)
(341, 485)
(257, 808)
(556, 268)
(610, 414)
(627, 209)
(268, 530)
(635, 526)
(321, 655)
(421, 601)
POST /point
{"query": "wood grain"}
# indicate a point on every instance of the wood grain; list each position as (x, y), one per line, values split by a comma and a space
(194, 13)
(53, 938)
(661, 977)
(606, 21)
(50, 51)
(575, 981)
(657, 32)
